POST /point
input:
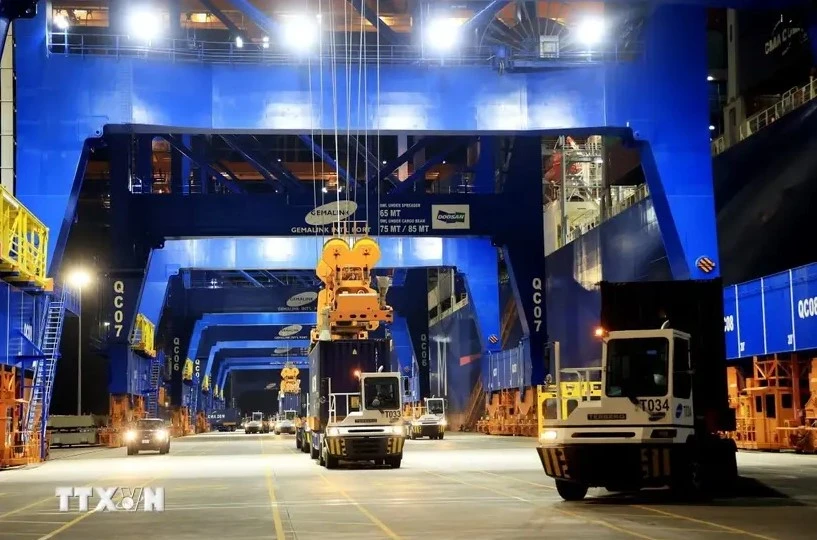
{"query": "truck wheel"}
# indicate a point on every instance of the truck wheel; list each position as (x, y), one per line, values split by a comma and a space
(298, 443)
(441, 436)
(571, 491)
(314, 454)
(130, 451)
(331, 462)
(394, 463)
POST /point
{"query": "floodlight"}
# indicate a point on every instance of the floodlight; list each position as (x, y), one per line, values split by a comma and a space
(144, 23)
(239, 43)
(591, 31)
(443, 33)
(61, 22)
(79, 278)
(301, 32)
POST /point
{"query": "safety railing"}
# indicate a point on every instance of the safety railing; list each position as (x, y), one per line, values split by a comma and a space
(789, 101)
(142, 338)
(627, 197)
(116, 45)
(23, 243)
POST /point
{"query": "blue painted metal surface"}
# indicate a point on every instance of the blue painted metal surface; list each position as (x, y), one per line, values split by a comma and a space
(773, 314)
(258, 341)
(467, 254)
(660, 99)
(108, 92)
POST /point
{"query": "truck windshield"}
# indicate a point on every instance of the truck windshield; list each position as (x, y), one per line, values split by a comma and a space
(150, 424)
(257, 417)
(290, 415)
(434, 406)
(382, 393)
(637, 367)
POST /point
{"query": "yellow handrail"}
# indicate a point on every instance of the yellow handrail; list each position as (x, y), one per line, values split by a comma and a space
(23, 243)
(205, 383)
(143, 336)
(187, 372)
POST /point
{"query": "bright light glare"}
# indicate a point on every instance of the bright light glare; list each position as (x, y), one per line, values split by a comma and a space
(443, 33)
(710, 78)
(61, 22)
(711, 128)
(265, 42)
(144, 23)
(301, 32)
(591, 30)
(79, 278)
(239, 42)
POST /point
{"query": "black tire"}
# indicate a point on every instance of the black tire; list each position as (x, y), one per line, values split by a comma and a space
(130, 451)
(305, 446)
(297, 443)
(313, 453)
(571, 491)
(378, 462)
(412, 436)
(394, 463)
(331, 462)
(441, 436)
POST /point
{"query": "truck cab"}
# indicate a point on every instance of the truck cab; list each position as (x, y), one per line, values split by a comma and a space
(285, 422)
(256, 423)
(430, 421)
(630, 423)
(372, 427)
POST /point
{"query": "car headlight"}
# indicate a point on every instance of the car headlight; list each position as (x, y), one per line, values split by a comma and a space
(162, 434)
(549, 435)
(130, 435)
(397, 430)
(332, 432)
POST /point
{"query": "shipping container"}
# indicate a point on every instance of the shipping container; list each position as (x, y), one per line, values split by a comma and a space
(693, 307)
(289, 402)
(333, 368)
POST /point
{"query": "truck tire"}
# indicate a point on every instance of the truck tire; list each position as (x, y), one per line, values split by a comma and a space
(297, 443)
(394, 463)
(441, 436)
(314, 454)
(571, 491)
(331, 462)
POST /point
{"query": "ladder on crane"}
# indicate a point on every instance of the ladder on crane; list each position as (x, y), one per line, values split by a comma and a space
(152, 392)
(36, 419)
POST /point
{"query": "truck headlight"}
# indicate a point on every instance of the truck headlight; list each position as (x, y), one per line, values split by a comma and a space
(443, 423)
(397, 430)
(332, 432)
(130, 435)
(549, 435)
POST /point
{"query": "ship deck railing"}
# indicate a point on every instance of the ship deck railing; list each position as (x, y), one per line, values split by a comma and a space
(789, 101)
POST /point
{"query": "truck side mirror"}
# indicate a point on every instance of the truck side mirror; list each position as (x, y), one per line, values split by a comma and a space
(406, 385)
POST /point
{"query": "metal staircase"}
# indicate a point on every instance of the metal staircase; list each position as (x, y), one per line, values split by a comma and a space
(476, 407)
(36, 420)
(152, 393)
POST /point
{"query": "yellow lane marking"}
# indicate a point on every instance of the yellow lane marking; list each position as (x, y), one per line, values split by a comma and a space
(585, 518)
(704, 522)
(86, 515)
(46, 499)
(383, 527)
(654, 510)
(80, 517)
(276, 512)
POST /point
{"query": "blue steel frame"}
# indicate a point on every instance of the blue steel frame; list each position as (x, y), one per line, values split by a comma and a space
(659, 101)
